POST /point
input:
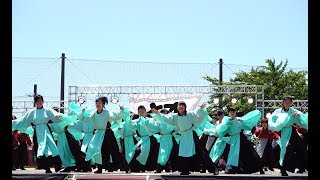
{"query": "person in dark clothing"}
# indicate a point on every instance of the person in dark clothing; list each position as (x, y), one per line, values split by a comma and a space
(265, 138)
(293, 153)
(24, 141)
(15, 145)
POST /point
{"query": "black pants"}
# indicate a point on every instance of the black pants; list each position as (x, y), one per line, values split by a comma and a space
(110, 147)
(15, 157)
(203, 140)
(200, 160)
(296, 154)
(268, 157)
(224, 156)
(153, 154)
(151, 163)
(45, 162)
(203, 155)
(276, 152)
(75, 148)
(174, 155)
(249, 159)
(124, 164)
(22, 155)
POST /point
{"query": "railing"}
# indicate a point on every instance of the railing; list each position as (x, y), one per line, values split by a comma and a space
(20, 107)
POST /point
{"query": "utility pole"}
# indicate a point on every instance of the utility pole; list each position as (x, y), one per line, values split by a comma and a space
(62, 83)
(34, 93)
(220, 80)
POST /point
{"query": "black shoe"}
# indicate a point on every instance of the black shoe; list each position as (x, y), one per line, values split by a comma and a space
(67, 169)
(203, 171)
(99, 171)
(265, 169)
(48, 171)
(271, 169)
(231, 171)
(167, 168)
(128, 171)
(143, 168)
(216, 171)
(185, 173)
(159, 169)
(86, 170)
(58, 168)
(300, 171)
(262, 172)
(284, 173)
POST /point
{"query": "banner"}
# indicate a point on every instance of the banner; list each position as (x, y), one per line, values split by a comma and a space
(167, 101)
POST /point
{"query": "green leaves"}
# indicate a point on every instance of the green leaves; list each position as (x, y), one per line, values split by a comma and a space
(276, 80)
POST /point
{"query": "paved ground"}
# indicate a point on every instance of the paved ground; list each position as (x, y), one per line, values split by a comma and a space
(151, 175)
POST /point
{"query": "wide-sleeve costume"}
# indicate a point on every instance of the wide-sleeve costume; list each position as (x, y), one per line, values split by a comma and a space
(68, 160)
(290, 141)
(147, 148)
(103, 143)
(241, 149)
(43, 140)
(128, 139)
(166, 140)
(189, 141)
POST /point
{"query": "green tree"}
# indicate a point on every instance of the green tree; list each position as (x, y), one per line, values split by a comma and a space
(276, 80)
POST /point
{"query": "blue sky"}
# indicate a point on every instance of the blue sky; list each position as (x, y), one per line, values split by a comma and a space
(241, 32)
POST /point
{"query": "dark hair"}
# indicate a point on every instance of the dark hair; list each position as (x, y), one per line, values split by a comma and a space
(215, 117)
(220, 113)
(182, 103)
(264, 120)
(142, 107)
(164, 111)
(103, 99)
(287, 97)
(231, 109)
(185, 105)
(37, 97)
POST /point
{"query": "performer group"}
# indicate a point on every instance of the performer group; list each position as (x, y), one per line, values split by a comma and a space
(187, 141)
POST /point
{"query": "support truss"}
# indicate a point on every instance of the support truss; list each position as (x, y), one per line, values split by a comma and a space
(88, 91)
(271, 105)
(221, 89)
(84, 91)
(22, 106)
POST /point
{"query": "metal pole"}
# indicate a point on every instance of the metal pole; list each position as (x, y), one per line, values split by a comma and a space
(263, 102)
(220, 71)
(62, 83)
(34, 93)
(220, 81)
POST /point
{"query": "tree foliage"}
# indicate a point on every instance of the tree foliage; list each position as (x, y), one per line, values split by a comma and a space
(276, 80)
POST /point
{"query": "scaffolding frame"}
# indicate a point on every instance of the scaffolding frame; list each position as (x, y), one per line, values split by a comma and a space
(82, 91)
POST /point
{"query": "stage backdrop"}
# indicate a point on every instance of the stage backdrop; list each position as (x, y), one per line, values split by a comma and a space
(135, 100)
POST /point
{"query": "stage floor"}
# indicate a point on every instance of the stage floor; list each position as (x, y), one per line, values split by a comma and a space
(150, 175)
